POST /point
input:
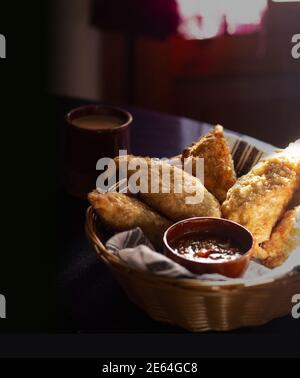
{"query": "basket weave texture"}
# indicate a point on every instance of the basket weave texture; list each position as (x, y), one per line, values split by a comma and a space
(193, 304)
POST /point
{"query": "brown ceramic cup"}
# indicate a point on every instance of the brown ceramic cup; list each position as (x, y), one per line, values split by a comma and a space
(214, 226)
(84, 146)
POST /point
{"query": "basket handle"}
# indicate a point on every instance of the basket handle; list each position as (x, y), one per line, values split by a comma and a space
(91, 231)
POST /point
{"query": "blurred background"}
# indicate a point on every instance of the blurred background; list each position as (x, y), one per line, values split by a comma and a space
(217, 61)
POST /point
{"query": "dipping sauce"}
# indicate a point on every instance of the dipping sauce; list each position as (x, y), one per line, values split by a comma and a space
(206, 247)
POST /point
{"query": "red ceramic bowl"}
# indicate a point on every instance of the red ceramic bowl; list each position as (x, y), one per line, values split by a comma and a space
(217, 227)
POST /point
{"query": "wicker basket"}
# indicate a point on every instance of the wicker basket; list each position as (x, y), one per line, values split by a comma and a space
(196, 305)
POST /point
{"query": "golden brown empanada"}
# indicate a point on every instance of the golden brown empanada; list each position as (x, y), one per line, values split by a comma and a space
(284, 239)
(260, 198)
(120, 212)
(219, 173)
(193, 200)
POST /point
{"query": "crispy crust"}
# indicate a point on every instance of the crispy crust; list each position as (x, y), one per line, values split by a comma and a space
(285, 238)
(219, 173)
(120, 212)
(168, 201)
(260, 198)
(296, 199)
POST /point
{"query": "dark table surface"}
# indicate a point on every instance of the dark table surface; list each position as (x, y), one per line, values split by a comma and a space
(89, 298)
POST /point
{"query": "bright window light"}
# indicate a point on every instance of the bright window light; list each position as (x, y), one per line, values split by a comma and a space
(201, 19)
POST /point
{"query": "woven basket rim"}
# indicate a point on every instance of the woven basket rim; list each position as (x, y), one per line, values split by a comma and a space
(191, 283)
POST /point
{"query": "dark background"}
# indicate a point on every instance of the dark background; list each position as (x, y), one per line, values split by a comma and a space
(26, 173)
(29, 252)
(129, 52)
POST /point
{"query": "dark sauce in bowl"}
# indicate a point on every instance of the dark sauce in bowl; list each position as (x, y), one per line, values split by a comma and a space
(207, 247)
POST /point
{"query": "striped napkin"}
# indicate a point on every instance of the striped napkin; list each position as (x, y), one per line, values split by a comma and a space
(247, 152)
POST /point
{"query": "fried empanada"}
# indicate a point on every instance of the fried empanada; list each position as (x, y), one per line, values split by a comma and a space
(292, 154)
(296, 199)
(120, 212)
(260, 198)
(284, 239)
(219, 173)
(167, 199)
